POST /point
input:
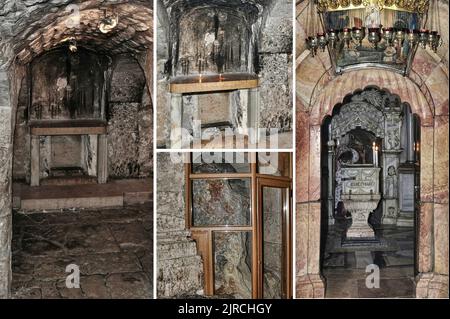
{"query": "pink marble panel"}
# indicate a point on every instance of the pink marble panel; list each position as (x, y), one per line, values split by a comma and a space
(314, 163)
(426, 163)
(425, 239)
(302, 157)
(441, 238)
(441, 159)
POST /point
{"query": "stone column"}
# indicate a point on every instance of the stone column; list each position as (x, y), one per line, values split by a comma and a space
(176, 119)
(253, 115)
(5, 186)
(330, 182)
(391, 160)
(102, 159)
(35, 160)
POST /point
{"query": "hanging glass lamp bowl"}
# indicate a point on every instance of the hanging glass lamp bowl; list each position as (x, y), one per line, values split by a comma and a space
(333, 37)
(374, 36)
(322, 41)
(423, 38)
(412, 36)
(358, 35)
(399, 36)
(388, 35)
(346, 36)
(312, 44)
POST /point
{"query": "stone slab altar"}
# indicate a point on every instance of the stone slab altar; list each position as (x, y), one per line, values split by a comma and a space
(361, 195)
(212, 84)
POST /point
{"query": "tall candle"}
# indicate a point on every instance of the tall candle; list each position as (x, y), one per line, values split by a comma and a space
(373, 153)
(376, 155)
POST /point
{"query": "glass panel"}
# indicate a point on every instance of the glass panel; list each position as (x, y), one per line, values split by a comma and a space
(217, 162)
(273, 202)
(233, 264)
(221, 202)
(276, 164)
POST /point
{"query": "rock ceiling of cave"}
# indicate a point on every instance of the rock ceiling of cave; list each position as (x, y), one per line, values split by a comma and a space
(177, 7)
(36, 26)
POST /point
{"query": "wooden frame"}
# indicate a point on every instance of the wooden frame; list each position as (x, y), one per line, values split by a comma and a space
(204, 235)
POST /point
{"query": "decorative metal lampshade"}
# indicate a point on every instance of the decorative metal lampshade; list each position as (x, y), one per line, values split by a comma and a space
(372, 33)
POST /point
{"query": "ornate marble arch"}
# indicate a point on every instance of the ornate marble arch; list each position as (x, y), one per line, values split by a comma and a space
(358, 114)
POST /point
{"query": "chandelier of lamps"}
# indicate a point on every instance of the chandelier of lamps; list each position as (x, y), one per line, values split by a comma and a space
(388, 36)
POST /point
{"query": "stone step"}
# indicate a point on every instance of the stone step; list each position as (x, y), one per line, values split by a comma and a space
(112, 194)
(169, 222)
(176, 249)
(71, 180)
(179, 235)
(405, 220)
(190, 269)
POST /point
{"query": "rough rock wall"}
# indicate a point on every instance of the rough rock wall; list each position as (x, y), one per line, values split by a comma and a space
(21, 163)
(5, 184)
(180, 269)
(276, 55)
(130, 121)
(220, 202)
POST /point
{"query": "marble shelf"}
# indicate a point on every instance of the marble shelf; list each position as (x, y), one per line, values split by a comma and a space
(67, 127)
(213, 83)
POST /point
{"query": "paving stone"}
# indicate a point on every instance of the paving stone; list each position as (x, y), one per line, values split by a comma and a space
(94, 287)
(114, 244)
(126, 285)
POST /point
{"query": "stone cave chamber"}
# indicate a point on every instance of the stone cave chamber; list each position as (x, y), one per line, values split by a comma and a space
(225, 230)
(224, 70)
(371, 149)
(76, 148)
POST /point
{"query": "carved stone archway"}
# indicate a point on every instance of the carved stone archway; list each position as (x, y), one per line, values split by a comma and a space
(432, 279)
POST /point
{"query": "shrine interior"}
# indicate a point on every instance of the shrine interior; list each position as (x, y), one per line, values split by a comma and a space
(224, 69)
(383, 144)
(82, 153)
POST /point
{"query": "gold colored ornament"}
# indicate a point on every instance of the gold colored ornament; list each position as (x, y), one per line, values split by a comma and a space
(418, 6)
(333, 4)
(345, 3)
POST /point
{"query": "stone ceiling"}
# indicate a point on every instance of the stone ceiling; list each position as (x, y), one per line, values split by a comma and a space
(30, 27)
(250, 7)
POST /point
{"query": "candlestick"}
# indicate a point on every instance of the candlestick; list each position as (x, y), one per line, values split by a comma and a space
(373, 154)
(376, 155)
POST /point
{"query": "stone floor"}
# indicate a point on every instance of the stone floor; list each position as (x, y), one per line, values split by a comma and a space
(345, 269)
(113, 249)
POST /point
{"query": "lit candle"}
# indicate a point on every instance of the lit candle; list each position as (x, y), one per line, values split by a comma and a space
(200, 78)
(376, 155)
(373, 154)
(220, 77)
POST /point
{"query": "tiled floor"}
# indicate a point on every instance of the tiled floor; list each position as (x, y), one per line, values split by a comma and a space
(112, 248)
(345, 269)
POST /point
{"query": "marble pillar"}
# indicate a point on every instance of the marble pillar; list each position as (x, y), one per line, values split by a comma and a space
(253, 115)
(35, 156)
(176, 120)
(391, 161)
(102, 159)
(330, 185)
